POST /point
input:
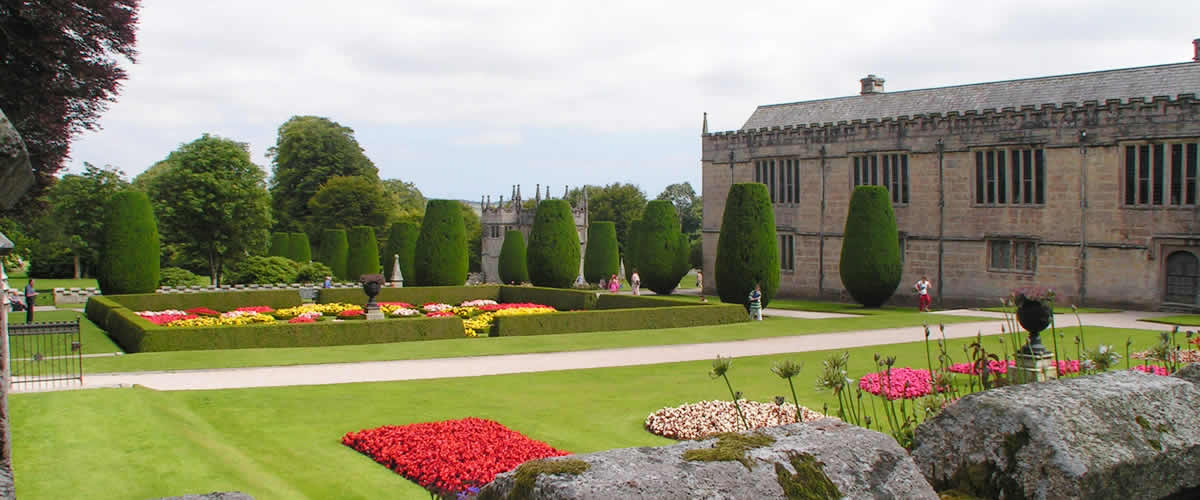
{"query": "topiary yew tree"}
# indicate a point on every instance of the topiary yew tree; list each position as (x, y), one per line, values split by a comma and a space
(747, 249)
(364, 252)
(441, 255)
(301, 251)
(662, 249)
(512, 259)
(281, 244)
(402, 242)
(552, 257)
(602, 258)
(631, 248)
(870, 264)
(335, 249)
(129, 255)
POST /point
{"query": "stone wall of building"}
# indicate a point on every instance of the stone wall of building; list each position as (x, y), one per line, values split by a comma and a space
(1083, 146)
(499, 218)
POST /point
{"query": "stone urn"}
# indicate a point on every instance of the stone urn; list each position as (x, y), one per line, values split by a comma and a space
(1034, 313)
(371, 284)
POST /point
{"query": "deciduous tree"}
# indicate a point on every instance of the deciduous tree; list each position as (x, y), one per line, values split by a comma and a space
(689, 206)
(348, 202)
(74, 200)
(616, 202)
(308, 152)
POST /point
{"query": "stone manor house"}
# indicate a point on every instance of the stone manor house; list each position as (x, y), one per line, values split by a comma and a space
(499, 218)
(1085, 183)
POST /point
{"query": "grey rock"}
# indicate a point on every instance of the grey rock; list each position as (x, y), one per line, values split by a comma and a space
(1190, 373)
(16, 176)
(862, 463)
(1121, 434)
(216, 495)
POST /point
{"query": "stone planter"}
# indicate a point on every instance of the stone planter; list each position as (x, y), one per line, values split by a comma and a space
(1034, 316)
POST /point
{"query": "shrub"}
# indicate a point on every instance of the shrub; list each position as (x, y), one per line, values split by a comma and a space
(364, 252)
(402, 242)
(553, 253)
(662, 250)
(602, 258)
(747, 249)
(512, 266)
(696, 255)
(301, 251)
(177, 276)
(563, 300)
(870, 263)
(335, 251)
(441, 255)
(312, 272)
(619, 319)
(631, 248)
(281, 245)
(261, 270)
(129, 257)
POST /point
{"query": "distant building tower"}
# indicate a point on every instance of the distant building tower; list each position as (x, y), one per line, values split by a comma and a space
(498, 219)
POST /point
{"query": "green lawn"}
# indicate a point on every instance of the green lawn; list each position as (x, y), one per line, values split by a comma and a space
(771, 327)
(283, 443)
(92, 339)
(45, 286)
(1058, 311)
(1181, 320)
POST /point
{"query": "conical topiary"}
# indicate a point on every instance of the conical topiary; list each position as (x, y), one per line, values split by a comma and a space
(129, 257)
(335, 250)
(870, 264)
(513, 270)
(402, 242)
(747, 249)
(441, 255)
(281, 245)
(662, 250)
(552, 256)
(364, 252)
(602, 258)
(301, 251)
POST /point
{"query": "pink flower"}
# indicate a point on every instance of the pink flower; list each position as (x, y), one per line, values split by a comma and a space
(901, 383)
(1151, 369)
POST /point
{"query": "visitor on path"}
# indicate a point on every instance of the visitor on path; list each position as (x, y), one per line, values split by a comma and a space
(14, 301)
(756, 302)
(700, 279)
(30, 293)
(922, 289)
(328, 282)
(613, 284)
(635, 282)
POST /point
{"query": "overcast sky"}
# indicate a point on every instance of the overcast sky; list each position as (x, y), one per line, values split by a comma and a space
(466, 98)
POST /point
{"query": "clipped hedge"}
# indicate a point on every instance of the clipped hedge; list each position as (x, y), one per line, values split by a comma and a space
(452, 295)
(561, 299)
(129, 255)
(552, 256)
(301, 251)
(602, 258)
(281, 245)
(748, 248)
(221, 301)
(512, 259)
(441, 255)
(870, 263)
(662, 250)
(618, 319)
(133, 334)
(335, 251)
(402, 242)
(97, 307)
(618, 301)
(364, 252)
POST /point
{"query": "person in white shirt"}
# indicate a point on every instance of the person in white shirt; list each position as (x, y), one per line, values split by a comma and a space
(922, 289)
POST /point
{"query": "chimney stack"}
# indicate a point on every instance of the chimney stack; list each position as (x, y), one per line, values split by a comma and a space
(1196, 50)
(872, 85)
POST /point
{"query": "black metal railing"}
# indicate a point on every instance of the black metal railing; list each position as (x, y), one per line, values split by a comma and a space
(45, 355)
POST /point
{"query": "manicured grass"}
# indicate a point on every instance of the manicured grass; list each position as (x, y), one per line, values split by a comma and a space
(1181, 320)
(283, 443)
(1058, 311)
(771, 327)
(92, 339)
(45, 286)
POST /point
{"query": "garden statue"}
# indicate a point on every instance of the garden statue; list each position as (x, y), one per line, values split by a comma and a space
(1035, 311)
(397, 276)
(371, 284)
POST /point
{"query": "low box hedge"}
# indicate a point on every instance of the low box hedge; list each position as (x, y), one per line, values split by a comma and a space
(453, 295)
(617, 301)
(618, 319)
(133, 334)
(222, 301)
(558, 298)
(97, 307)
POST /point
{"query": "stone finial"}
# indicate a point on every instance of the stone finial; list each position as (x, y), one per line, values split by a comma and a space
(704, 127)
(871, 85)
(537, 192)
(1196, 50)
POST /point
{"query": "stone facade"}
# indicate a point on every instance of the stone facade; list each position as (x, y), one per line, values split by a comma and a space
(1077, 231)
(500, 218)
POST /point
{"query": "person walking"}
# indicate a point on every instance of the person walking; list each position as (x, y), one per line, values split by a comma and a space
(613, 284)
(700, 279)
(756, 302)
(30, 293)
(635, 282)
(922, 289)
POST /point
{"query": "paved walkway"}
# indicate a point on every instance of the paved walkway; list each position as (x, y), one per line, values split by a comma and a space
(376, 371)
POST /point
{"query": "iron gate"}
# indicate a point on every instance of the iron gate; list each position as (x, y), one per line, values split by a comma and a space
(45, 355)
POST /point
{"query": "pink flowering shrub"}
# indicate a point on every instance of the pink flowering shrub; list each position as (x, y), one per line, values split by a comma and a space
(993, 367)
(1151, 369)
(1068, 366)
(903, 383)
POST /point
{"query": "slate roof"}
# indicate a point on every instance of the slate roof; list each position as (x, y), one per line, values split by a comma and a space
(1147, 81)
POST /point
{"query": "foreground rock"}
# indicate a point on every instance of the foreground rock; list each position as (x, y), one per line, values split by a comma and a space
(834, 458)
(1121, 434)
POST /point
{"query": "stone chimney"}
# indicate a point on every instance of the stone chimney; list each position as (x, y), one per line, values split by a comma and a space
(1196, 50)
(872, 85)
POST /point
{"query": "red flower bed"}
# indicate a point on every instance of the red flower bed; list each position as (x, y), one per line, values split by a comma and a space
(497, 307)
(352, 314)
(903, 383)
(257, 309)
(303, 319)
(163, 319)
(450, 456)
(439, 314)
(203, 311)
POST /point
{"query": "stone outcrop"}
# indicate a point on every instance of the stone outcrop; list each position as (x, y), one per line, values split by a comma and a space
(1190, 373)
(826, 456)
(1121, 434)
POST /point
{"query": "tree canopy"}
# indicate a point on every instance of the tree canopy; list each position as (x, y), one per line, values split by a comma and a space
(308, 152)
(616, 202)
(213, 201)
(348, 202)
(408, 204)
(73, 203)
(59, 69)
(689, 206)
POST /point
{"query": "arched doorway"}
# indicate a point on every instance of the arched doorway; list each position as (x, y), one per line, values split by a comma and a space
(1183, 278)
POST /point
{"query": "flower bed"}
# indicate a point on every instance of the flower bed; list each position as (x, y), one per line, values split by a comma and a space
(1151, 369)
(901, 383)
(698, 420)
(451, 456)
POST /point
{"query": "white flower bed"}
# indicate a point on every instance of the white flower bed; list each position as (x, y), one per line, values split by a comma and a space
(406, 312)
(478, 302)
(697, 420)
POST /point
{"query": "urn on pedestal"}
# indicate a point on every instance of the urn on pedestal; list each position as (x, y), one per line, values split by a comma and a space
(371, 284)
